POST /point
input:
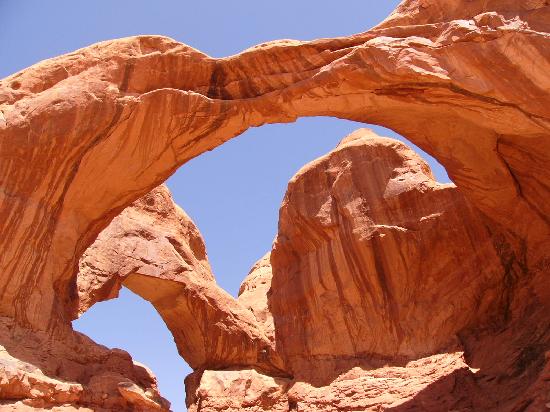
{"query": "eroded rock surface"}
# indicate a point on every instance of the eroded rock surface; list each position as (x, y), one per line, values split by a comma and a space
(369, 256)
(152, 237)
(424, 384)
(386, 290)
(175, 103)
(68, 371)
(155, 250)
(253, 294)
(467, 81)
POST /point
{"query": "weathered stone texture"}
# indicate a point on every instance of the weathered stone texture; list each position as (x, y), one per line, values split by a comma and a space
(375, 265)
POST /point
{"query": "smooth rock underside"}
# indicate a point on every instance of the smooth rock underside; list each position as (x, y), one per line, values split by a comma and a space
(384, 290)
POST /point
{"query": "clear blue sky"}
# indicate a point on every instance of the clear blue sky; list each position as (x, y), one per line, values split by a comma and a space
(233, 193)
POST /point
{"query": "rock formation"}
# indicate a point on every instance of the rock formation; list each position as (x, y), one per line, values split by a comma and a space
(253, 295)
(66, 370)
(378, 282)
(467, 81)
(367, 257)
(155, 250)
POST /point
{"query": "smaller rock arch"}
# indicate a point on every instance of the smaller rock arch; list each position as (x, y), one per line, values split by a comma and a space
(154, 249)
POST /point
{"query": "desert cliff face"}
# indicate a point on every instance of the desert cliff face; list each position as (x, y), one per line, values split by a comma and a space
(384, 289)
(367, 259)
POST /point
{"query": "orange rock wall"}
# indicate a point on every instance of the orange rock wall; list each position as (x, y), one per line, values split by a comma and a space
(467, 81)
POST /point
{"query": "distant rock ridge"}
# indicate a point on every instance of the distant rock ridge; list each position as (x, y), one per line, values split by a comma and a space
(384, 289)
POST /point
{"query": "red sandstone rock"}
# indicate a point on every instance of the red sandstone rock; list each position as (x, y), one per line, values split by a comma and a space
(391, 388)
(369, 257)
(152, 237)
(254, 291)
(380, 280)
(66, 370)
(154, 249)
(418, 80)
(465, 80)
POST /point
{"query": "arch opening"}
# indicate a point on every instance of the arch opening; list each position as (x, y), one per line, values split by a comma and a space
(493, 172)
(132, 324)
(237, 213)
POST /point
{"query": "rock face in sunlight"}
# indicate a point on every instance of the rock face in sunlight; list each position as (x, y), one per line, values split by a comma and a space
(420, 385)
(155, 250)
(67, 370)
(384, 290)
(369, 256)
(253, 294)
(360, 295)
(151, 237)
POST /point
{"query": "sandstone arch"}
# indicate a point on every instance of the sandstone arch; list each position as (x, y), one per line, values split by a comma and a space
(154, 249)
(156, 103)
(103, 126)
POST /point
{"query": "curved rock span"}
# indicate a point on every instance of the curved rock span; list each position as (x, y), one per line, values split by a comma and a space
(155, 250)
(384, 290)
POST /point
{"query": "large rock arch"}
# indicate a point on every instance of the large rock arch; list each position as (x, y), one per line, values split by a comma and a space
(84, 135)
(156, 103)
(154, 249)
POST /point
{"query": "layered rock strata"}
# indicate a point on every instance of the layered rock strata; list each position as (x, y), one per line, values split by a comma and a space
(466, 81)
